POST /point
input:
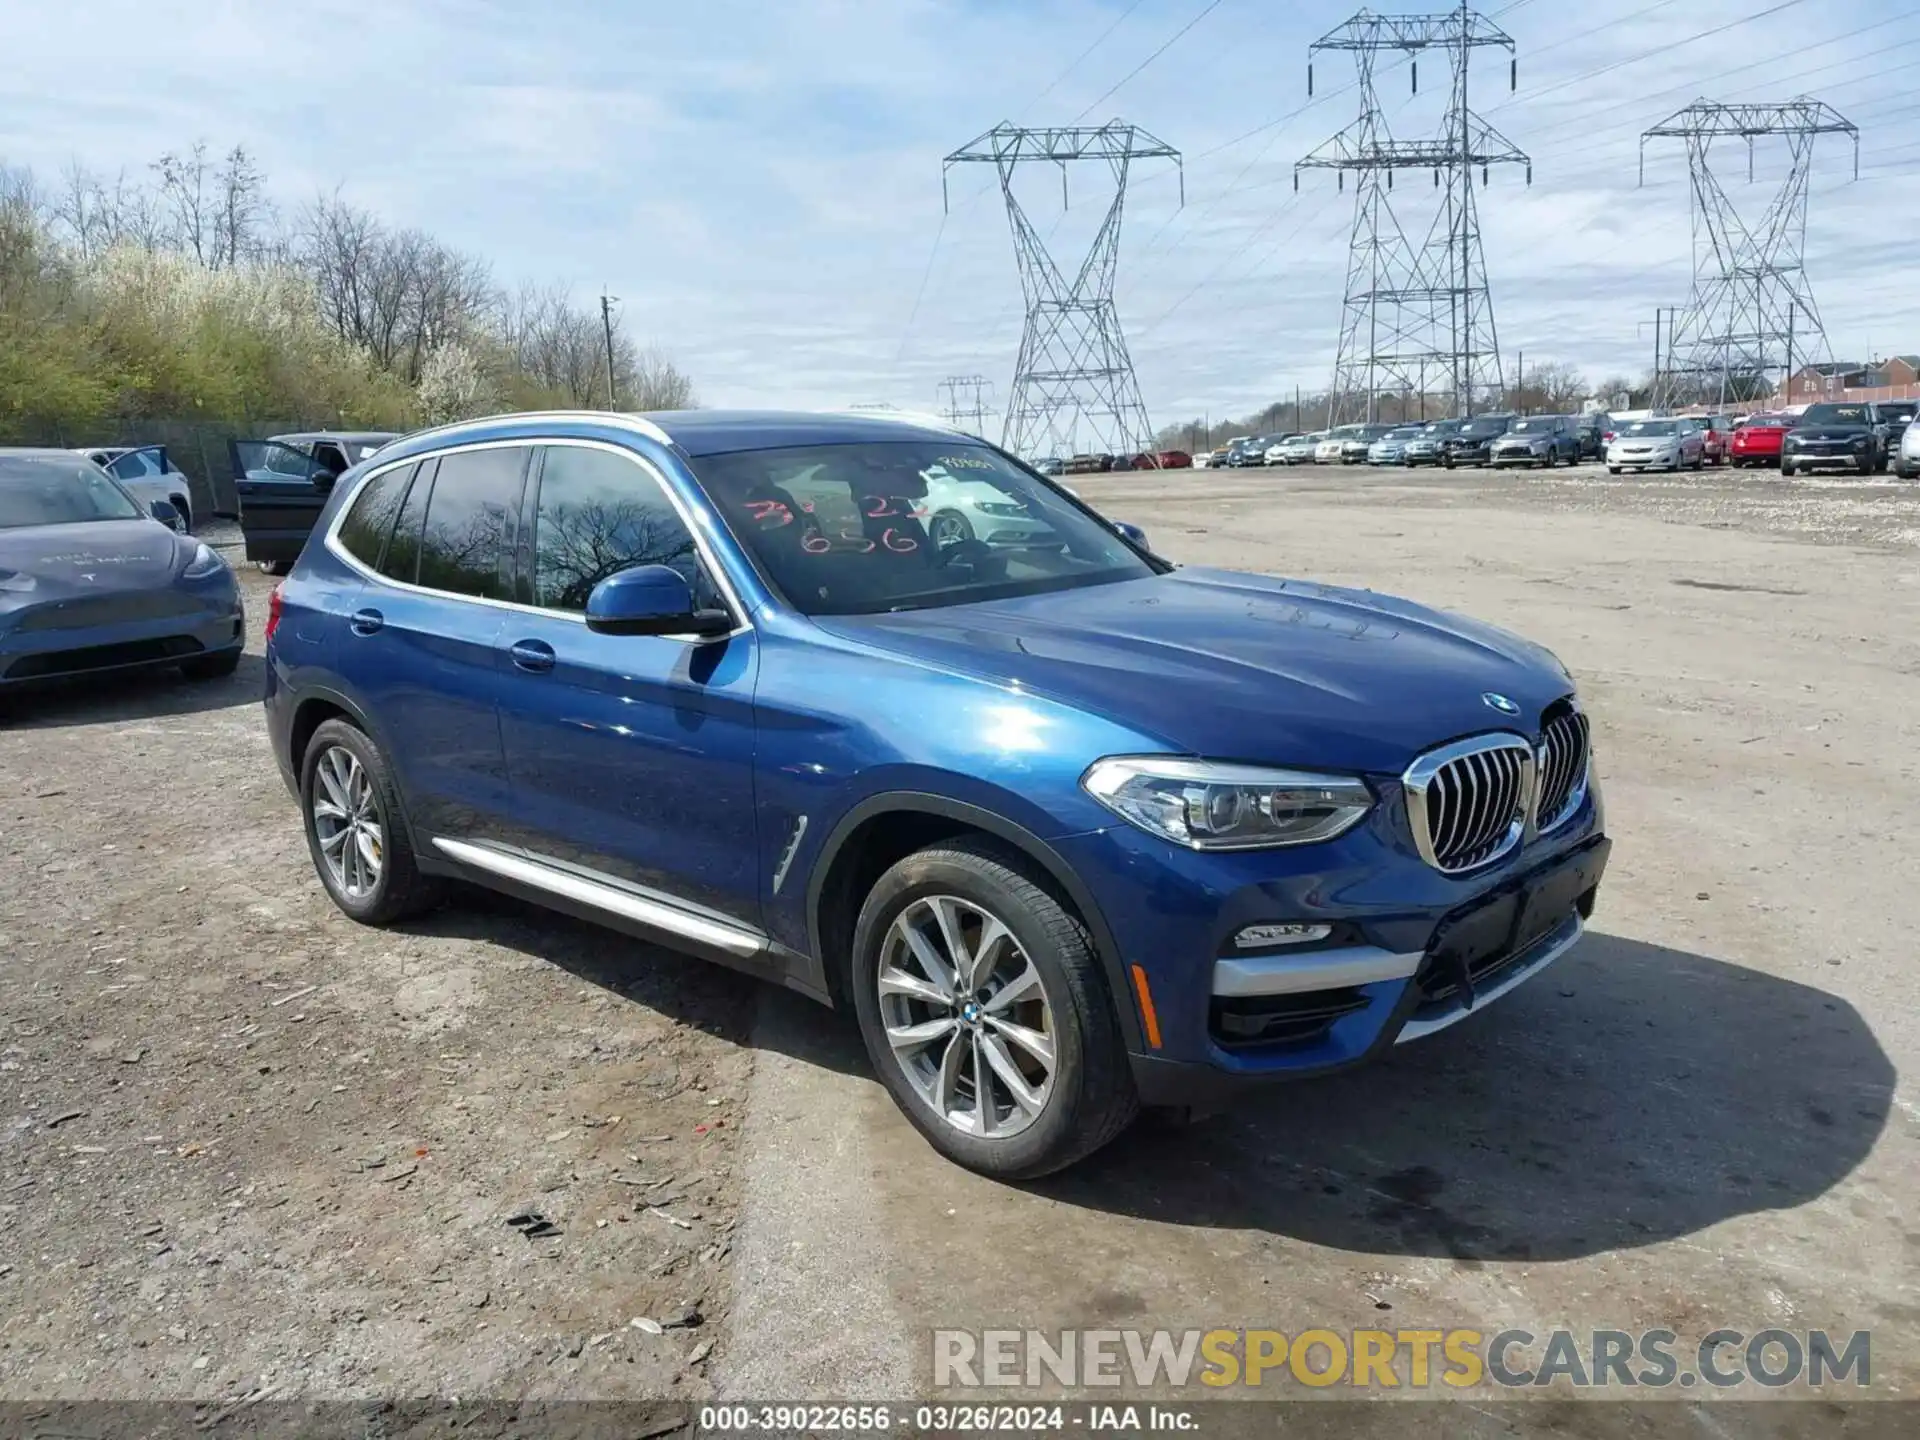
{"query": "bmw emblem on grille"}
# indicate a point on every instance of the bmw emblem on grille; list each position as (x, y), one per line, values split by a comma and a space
(1500, 703)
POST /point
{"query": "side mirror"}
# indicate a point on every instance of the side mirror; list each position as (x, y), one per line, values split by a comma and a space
(163, 511)
(650, 600)
(324, 481)
(1131, 532)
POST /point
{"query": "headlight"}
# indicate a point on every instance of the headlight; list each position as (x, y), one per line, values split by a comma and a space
(1207, 805)
(206, 561)
(1861, 442)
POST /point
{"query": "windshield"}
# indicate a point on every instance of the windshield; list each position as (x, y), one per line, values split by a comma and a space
(36, 491)
(1531, 427)
(1653, 427)
(1401, 434)
(1897, 412)
(1765, 422)
(868, 528)
(1834, 415)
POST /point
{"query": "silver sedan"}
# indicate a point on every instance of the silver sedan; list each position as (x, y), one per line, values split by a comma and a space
(1657, 445)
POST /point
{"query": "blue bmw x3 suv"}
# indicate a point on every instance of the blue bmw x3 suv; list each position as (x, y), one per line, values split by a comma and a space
(869, 708)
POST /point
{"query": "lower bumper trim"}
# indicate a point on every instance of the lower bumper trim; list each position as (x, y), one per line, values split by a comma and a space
(1547, 949)
(1284, 974)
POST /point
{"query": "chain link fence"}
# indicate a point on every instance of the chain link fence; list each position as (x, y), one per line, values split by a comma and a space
(197, 448)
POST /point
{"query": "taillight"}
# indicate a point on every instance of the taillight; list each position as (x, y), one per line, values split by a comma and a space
(274, 602)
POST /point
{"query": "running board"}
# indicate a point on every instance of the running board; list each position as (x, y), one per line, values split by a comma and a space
(655, 914)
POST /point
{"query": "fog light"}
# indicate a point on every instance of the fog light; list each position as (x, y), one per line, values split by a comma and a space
(1254, 937)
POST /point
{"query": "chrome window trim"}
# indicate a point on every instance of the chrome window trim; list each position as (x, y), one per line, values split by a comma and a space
(720, 577)
(638, 424)
(1417, 776)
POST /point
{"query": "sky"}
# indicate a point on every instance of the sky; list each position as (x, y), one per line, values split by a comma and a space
(760, 184)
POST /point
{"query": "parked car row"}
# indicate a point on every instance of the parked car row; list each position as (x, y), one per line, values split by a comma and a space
(1103, 464)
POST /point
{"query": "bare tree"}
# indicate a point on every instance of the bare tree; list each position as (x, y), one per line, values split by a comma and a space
(218, 214)
(400, 294)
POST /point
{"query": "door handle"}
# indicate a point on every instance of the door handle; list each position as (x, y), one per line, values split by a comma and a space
(534, 655)
(366, 622)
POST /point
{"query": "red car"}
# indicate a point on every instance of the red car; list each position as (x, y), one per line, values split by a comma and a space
(1175, 460)
(1756, 439)
(1717, 431)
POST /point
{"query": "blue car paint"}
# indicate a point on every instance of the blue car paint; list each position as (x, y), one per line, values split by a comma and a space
(131, 569)
(990, 711)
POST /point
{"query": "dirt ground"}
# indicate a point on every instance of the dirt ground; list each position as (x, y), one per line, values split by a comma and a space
(248, 1147)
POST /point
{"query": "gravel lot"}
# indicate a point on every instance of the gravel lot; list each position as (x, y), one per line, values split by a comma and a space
(247, 1146)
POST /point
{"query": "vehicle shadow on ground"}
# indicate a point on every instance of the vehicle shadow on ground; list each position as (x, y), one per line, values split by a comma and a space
(684, 988)
(143, 695)
(1631, 1095)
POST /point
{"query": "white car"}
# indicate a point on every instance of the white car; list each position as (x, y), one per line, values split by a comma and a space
(1341, 439)
(1906, 460)
(1300, 449)
(148, 474)
(1657, 445)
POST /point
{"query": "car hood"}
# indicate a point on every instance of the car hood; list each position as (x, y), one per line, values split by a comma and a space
(1830, 432)
(93, 558)
(1242, 667)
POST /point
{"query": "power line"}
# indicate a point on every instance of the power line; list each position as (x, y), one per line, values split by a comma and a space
(1104, 35)
(1208, 9)
(925, 275)
(1665, 49)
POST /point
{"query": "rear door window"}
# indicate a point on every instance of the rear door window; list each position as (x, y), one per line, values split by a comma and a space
(472, 516)
(137, 465)
(369, 520)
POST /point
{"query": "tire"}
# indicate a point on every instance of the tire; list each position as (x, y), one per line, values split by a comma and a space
(1084, 1101)
(947, 528)
(216, 666)
(1786, 470)
(398, 889)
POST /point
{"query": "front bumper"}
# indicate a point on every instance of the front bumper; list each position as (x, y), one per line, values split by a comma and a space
(1848, 459)
(1520, 456)
(194, 620)
(1652, 460)
(1230, 1020)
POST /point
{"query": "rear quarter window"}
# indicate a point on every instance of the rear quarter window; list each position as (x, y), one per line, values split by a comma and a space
(369, 520)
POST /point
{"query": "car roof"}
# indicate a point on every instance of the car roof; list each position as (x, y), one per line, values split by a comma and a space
(351, 437)
(714, 432)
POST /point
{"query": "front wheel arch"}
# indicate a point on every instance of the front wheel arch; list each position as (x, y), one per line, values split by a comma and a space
(828, 938)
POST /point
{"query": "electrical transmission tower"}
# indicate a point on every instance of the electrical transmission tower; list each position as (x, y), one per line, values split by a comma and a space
(1414, 313)
(968, 414)
(1751, 311)
(1073, 380)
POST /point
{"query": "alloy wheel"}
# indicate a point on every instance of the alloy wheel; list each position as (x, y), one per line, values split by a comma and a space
(967, 1015)
(347, 822)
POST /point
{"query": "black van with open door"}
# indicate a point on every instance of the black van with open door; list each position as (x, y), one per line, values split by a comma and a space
(282, 483)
